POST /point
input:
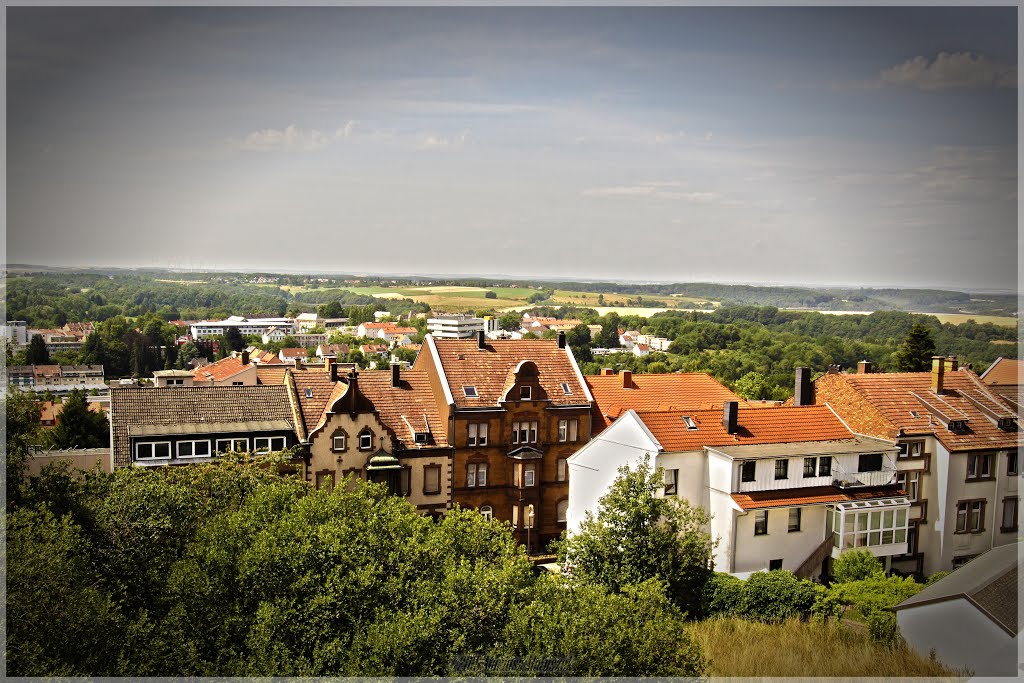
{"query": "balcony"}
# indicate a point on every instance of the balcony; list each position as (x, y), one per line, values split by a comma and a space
(879, 526)
(851, 479)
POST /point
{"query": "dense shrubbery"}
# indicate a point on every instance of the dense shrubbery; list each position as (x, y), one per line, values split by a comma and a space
(768, 597)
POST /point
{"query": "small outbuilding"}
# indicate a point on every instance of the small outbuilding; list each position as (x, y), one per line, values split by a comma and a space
(969, 618)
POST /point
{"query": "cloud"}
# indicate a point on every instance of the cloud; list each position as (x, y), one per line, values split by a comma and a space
(346, 130)
(292, 138)
(433, 141)
(950, 70)
(655, 190)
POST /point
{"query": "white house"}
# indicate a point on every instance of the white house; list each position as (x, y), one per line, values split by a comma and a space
(969, 618)
(787, 487)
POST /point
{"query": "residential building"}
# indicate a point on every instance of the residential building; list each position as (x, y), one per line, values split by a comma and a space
(459, 326)
(57, 379)
(274, 335)
(1004, 378)
(641, 349)
(209, 329)
(514, 411)
(61, 339)
(235, 370)
(627, 338)
(969, 619)
(787, 487)
(336, 351)
(174, 378)
(308, 321)
(292, 355)
(16, 331)
(958, 455)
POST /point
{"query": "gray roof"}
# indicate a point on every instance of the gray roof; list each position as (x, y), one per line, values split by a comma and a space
(148, 408)
(989, 582)
(857, 444)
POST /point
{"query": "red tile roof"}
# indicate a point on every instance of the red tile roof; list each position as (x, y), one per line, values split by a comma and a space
(653, 392)
(776, 424)
(1004, 371)
(221, 370)
(313, 390)
(488, 369)
(816, 495)
(412, 400)
(883, 404)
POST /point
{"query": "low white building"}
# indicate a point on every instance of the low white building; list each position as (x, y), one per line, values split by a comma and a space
(459, 326)
(210, 329)
(787, 487)
(969, 619)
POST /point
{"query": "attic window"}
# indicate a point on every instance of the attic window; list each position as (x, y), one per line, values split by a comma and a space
(565, 388)
(470, 392)
(525, 392)
(914, 413)
(1007, 424)
(957, 425)
(688, 421)
(309, 393)
(421, 437)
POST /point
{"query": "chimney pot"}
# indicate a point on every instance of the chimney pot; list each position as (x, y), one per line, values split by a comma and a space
(803, 390)
(245, 357)
(952, 364)
(938, 370)
(332, 368)
(396, 369)
(730, 417)
(561, 339)
(864, 367)
(480, 340)
(627, 379)
(607, 371)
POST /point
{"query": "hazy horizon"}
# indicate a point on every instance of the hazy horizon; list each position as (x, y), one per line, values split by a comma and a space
(785, 146)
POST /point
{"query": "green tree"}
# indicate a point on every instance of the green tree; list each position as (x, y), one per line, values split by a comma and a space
(916, 351)
(752, 386)
(233, 339)
(636, 536)
(79, 427)
(510, 322)
(188, 352)
(37, 353)
(490, 295)
(332, 309)
(22, 424)
(856, 565)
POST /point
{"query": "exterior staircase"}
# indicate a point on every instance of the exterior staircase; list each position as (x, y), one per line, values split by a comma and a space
(814, 560)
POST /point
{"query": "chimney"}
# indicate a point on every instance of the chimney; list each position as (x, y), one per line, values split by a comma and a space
(353, 377)
(938, 370)
(607, 371)
(627, 379)
(480, 340)
(332, 368)
(396, 369)
(245, 357)
(952, 364)
(730, 416)
(298, 363)
(803, 391)
(561, 339)
(863, 367)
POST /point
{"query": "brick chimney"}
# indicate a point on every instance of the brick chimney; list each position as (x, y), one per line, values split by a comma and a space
(396, 369)
(331, 366)
(561, 339)
(353, 389)
(803, 390)
(298, 363)
(627, 379)
(245, 358)
(481, 343)
(951, 364)
(938, 371)
(730, 416)
(864, 367)
(607, 371)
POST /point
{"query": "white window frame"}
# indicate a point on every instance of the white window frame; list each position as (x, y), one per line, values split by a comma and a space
(470, 391)
(153, 445)
(759, 515)
(477, 434)
(369, 443)
(670, 482)
(533, 431)
(566, 389)
(487, 511)
(344, 443)
(525, 393)
(529, 476)
(561, 511)
(192, 444)
(231, 443)
(433, 470)
(799, 520)
(269, 442)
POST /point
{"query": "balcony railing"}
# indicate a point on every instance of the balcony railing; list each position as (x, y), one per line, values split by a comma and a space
(880, 478)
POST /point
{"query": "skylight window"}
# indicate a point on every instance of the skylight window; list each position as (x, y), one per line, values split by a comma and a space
(565, 388)
(470, 392)
(309, 393)
(688, 421)
(914, 413)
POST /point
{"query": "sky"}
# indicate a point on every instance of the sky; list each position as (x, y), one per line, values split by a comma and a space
(778, 145)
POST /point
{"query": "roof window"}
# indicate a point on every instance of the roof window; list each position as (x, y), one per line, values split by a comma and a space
(470, 392)
(309, 393)
(688, 421)
(565, 388)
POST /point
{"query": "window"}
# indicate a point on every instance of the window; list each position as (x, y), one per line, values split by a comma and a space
(561, 509)
(911, 449)
(524, 432)
(238, 445)
(477, 434)
(470, 392)
(825, 466)
(747, 470)
(1009, 522)
(979, 466)
(671, 477)
(970, 516)
(154, 450)
(193, 449)
(565, 389)
(810, 467)
(688, 421)
(525, 393)
(515, 516)
(911, 483)
(562, 469)
(339, 442)
(365, 441)
(1011, 464)
(773, 565)
(782, 469)
(794, 519)
(268, 444)
(487, 511)
(529, 475)
(476, 474)
(528, 516)
(404, 481)
(431, 480)
(325, 480)
(568, 430)
(760, 522)
(962, 560)
(869, 462)
(173, 382)
(239, 384)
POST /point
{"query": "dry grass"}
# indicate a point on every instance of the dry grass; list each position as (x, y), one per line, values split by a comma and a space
(960, 318)
(735, 647)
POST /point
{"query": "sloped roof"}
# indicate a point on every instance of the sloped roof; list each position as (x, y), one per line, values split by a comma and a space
(138, 406)
(771, 425)
(989, 582)
(1004, 371)
(487, 370)
(220, 370)
(691, 390)
(296, 352)
(815, 495)
(883, 404)
(412, 400)
(313, 391)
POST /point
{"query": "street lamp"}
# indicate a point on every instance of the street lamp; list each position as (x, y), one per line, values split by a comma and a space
(529, 525)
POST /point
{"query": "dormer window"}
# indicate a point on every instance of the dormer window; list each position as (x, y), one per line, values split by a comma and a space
(421, 437)
(688, 421)
(1007, 424)
(470, 392)
(957, 425)
(525, 393)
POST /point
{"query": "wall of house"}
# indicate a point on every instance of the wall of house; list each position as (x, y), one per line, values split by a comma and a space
(418, 461)
(324, 459)
(693, 476)
(961, 637)
(752, 553)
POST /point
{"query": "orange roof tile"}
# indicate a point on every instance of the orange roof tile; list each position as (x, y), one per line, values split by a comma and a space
(487, 370)
(770, 425)
(313, 391)
(755, 500)
(412, 400)
(653, 392)
(1004, 371)
(220, 370)
(883, 404)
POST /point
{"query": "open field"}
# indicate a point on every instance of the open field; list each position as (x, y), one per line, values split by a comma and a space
(959, 318)
(736, 647)
(185, 282)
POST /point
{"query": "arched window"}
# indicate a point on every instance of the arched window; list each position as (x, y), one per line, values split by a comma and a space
(487, 511)
(562, 508)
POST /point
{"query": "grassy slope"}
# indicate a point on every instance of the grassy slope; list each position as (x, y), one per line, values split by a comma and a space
(735, 647)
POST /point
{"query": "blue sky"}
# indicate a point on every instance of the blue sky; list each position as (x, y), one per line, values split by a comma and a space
(777, 145)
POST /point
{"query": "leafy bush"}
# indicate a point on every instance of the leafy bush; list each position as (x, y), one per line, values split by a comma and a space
(936, 577)
(775, 596)
(882, 627)
(856, 565)
(723, 596)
